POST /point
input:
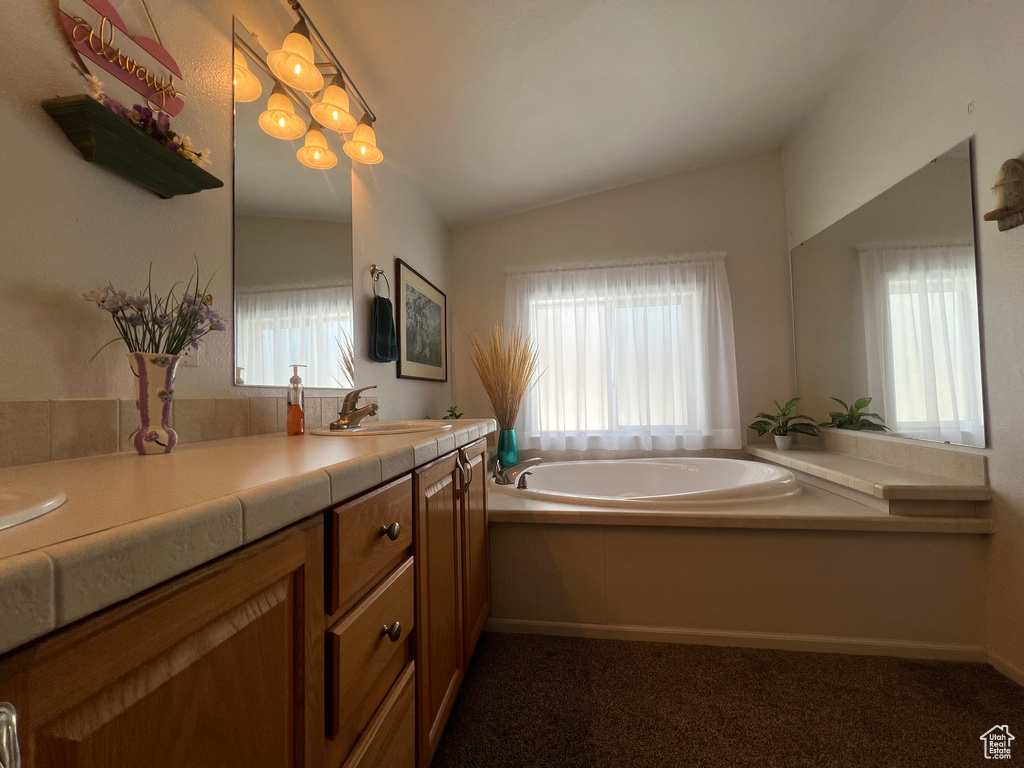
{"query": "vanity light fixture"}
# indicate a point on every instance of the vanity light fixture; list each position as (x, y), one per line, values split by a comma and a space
(332, 111)
(293, 62)
(247, 86)
(362, 147)
(279, 120)
(315, 153)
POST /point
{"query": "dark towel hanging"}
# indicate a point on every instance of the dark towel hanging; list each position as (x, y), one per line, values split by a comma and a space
(383, 343)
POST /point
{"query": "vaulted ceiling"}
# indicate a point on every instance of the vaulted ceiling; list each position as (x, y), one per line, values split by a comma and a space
(496, 106)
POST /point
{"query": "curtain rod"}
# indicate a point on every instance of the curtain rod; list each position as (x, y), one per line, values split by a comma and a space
(692, 258)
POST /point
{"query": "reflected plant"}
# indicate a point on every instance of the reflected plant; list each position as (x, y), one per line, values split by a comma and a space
(855, 418)
(346, 359)
(784, 422)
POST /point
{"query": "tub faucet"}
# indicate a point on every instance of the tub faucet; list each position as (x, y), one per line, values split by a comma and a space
(349, 416)
(508, 475)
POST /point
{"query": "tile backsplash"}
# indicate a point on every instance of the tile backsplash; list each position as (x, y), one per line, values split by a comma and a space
(34, 431)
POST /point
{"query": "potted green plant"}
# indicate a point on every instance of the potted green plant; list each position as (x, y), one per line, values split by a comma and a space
(855, 417)
(784, 424)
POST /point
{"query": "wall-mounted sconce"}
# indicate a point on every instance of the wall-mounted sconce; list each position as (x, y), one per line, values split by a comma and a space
(247, 86)
(332, 111)
(279, 120)
(362, 147)
(293, 63)
(315, 153)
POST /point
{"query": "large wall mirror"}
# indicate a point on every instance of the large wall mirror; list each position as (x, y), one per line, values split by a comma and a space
(293, 236)
(885, 305)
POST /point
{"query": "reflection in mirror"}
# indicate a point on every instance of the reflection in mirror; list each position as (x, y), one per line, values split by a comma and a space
(885, 304)
(293, 243)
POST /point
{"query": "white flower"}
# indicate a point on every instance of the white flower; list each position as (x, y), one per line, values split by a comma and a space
(186, 144)
(203, 157)
(95, 86)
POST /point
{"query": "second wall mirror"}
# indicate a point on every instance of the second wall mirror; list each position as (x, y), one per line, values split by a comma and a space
(885, 305)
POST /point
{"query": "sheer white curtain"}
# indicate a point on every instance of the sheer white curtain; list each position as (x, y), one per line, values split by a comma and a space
(275, 329)
(923, 343)
(634, 355)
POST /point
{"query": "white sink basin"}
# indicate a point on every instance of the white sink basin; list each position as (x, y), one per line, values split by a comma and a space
(386, 428)
(19, 505)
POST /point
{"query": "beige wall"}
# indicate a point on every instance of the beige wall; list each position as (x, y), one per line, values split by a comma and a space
(735, 207)
(943, 70)
(273, 251)
(68, 226)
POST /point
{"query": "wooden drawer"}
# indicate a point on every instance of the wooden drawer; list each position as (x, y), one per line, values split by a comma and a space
(390, 739)
(363, 662)
(359, 554)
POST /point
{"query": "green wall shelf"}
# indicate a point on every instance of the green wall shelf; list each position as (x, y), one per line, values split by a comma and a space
(111, 141)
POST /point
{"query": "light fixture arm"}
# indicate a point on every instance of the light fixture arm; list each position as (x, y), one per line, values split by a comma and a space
(315, 34)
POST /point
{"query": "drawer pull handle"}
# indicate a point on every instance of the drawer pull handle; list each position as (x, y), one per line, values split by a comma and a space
(393, 632)
(391, 531)
(10, 755)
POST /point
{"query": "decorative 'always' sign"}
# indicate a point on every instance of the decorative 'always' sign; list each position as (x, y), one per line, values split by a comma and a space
(144, 65)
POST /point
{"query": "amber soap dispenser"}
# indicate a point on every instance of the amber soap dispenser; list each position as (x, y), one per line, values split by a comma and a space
(296, 404)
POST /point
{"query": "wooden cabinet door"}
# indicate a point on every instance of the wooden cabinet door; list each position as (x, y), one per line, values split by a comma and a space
(476, 552)
(437, 543)
(222, 667)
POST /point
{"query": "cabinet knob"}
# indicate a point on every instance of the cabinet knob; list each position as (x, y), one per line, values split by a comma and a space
(10, 754)
(391, 531)
(393, 632)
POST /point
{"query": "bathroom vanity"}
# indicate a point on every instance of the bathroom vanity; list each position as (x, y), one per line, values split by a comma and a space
(338, 638)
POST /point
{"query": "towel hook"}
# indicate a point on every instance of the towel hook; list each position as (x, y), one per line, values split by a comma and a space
(376, 273)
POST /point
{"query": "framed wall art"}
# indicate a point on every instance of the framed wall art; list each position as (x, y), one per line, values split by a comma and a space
(422, 327)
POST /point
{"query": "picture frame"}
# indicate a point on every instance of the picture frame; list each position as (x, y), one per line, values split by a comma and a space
(422, 327)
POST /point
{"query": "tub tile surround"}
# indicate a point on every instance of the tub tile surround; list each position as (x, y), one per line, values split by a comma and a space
(815, 509)
(34, 431)
(132, 522)
(960, 462)
(890, 474)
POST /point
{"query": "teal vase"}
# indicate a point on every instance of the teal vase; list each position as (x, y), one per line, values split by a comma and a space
(508, 449)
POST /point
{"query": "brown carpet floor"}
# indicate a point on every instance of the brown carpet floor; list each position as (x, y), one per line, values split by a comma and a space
(552, 702)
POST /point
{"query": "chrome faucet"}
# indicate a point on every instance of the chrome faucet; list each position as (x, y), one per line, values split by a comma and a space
(508, 475)
(349, 416)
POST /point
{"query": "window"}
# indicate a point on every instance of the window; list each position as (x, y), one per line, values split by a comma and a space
(921, 324)
(634, 356)
(308, 326)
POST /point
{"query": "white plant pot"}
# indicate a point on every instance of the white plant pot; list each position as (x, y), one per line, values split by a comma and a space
(783, 442)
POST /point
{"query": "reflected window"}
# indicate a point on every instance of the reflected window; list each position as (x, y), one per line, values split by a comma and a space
(921, 323)
(277, 328)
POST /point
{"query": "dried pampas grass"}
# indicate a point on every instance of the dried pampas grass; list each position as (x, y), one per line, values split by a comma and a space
(506, 370)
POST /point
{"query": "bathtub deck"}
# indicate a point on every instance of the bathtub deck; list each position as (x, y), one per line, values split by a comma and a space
(815, 509)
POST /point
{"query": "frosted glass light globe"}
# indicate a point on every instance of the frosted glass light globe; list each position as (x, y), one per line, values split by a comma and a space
(247, 86)
(316, 154)
(279, 120)
(292, 63)
(332, 111)
(362, 147)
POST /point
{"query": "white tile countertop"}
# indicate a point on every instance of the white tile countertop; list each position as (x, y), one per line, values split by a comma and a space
(131, 522)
